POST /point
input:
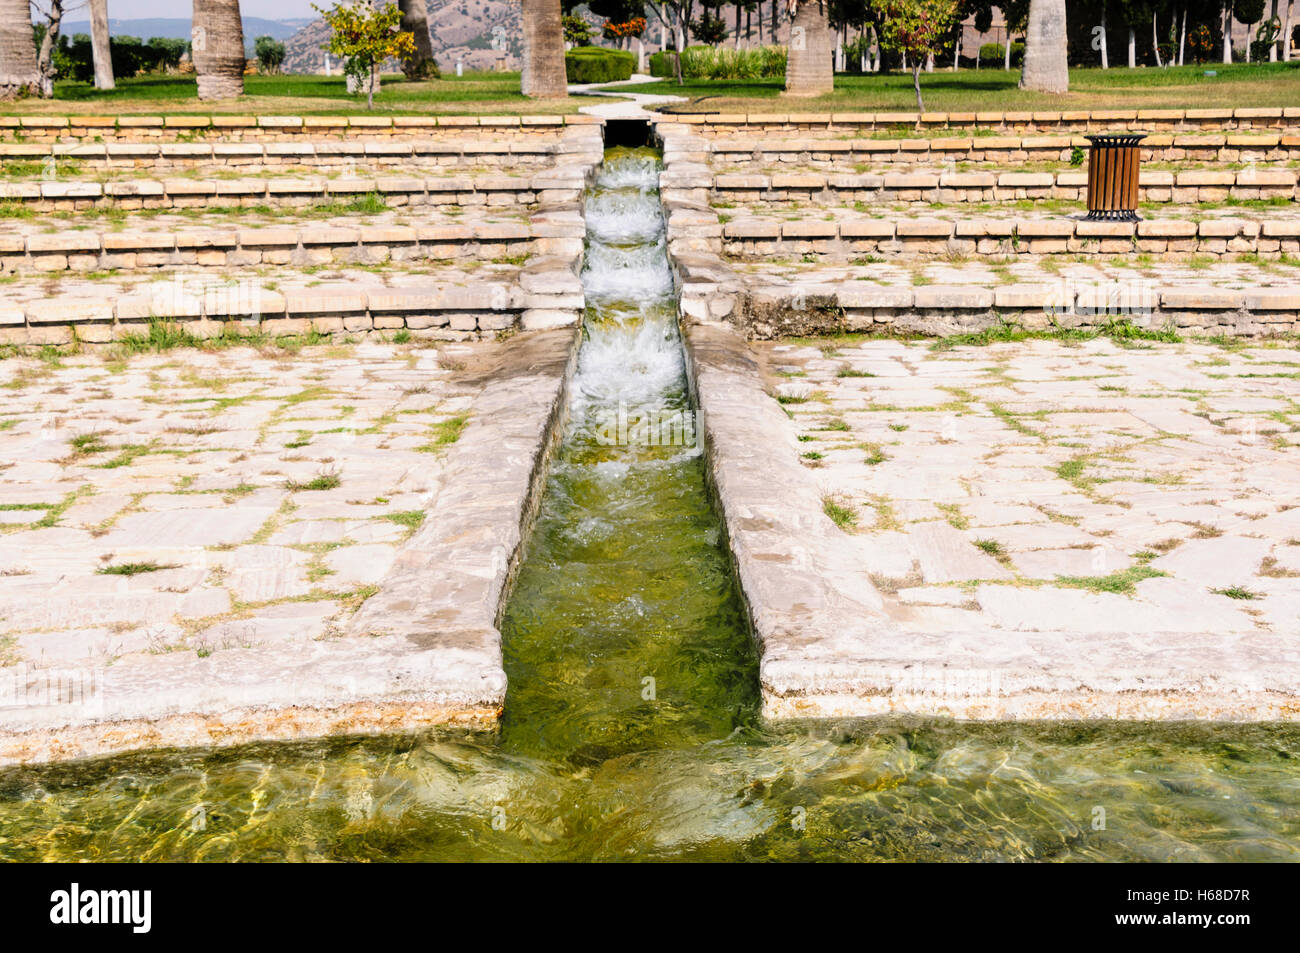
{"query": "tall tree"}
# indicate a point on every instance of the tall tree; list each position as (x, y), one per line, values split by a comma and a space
(920, 30)
(1016, 15)
(217, 48)
(415, 20)
(543, 73)
(101, 50)
(1046, 67)
(674, 16)
(1101, 40)
(809, 69)
(18, 72)
(1248, 13)
(49, 41)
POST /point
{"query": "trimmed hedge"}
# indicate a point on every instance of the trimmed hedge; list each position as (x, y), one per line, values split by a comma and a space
(596, 64)
(661, 65)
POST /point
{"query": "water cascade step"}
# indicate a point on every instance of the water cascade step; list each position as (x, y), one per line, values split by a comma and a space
(624, 630)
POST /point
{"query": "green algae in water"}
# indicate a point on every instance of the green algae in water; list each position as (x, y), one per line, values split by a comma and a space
(626, 578)
(865, 792)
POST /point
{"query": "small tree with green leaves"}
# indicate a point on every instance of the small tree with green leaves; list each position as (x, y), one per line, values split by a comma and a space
(367, 36)
(270, 54)
(918, 29)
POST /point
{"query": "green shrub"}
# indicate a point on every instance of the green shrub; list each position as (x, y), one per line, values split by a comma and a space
(997, 52)
(707, 62)
(661, 65)
(595, 64)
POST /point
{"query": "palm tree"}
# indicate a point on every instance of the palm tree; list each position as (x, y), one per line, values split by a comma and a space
(543, 75)
(415, 20)
(1046, 69)
(100, 48)
(18, 72)
(218, 48)
(809, 69)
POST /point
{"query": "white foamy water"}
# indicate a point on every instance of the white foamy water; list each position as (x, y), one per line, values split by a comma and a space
(631, 356)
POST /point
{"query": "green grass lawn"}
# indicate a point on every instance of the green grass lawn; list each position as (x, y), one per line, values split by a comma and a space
(473, 93)
(1258, 84)
(1181, 87)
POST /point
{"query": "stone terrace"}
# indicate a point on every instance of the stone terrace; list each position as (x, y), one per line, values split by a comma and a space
(184, 537)
(1024, 530)
(483, 227)
(821, 248)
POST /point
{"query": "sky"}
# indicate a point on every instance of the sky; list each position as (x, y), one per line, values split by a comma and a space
(180, 9)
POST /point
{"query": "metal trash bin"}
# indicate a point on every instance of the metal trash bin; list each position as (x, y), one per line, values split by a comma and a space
(1113, 164)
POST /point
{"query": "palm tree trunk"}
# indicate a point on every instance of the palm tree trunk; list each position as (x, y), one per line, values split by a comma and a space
(1045, 69)
(217, 47)
(1272, 47)
(1286, 31)
(1155, 39)
(543, 76)
(1132, 48)
(809, 69)
(1182, 37)
(415, 20)
(1227, 32)
(18, 71)
(100, 48)
(1006, 53)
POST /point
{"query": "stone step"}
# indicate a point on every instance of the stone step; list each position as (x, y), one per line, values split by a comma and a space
(300, 243)
(1200, 185)
(1208, 120)
(582, 144)
(547, 295)
(1201, 308)
(754, 237)
(832, 145)
(563, 184)
(251, 126)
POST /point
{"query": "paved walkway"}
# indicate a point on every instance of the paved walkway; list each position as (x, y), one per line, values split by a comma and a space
(632, 106)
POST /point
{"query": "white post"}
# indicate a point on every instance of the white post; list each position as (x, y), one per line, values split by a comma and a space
(460, 67)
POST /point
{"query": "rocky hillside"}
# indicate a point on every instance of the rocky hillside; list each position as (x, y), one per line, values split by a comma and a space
(461, 30)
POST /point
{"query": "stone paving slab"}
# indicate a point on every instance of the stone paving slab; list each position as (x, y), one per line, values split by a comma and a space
(190, 534)
(1028, 530)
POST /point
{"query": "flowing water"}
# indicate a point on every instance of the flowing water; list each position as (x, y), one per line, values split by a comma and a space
(631, 727)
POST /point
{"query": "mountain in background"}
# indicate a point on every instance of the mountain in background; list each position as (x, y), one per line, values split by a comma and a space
(179, 29)
(460, 30)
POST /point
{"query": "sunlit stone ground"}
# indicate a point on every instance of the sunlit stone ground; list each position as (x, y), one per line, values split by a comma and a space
(208, 502)
(1040, 486)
